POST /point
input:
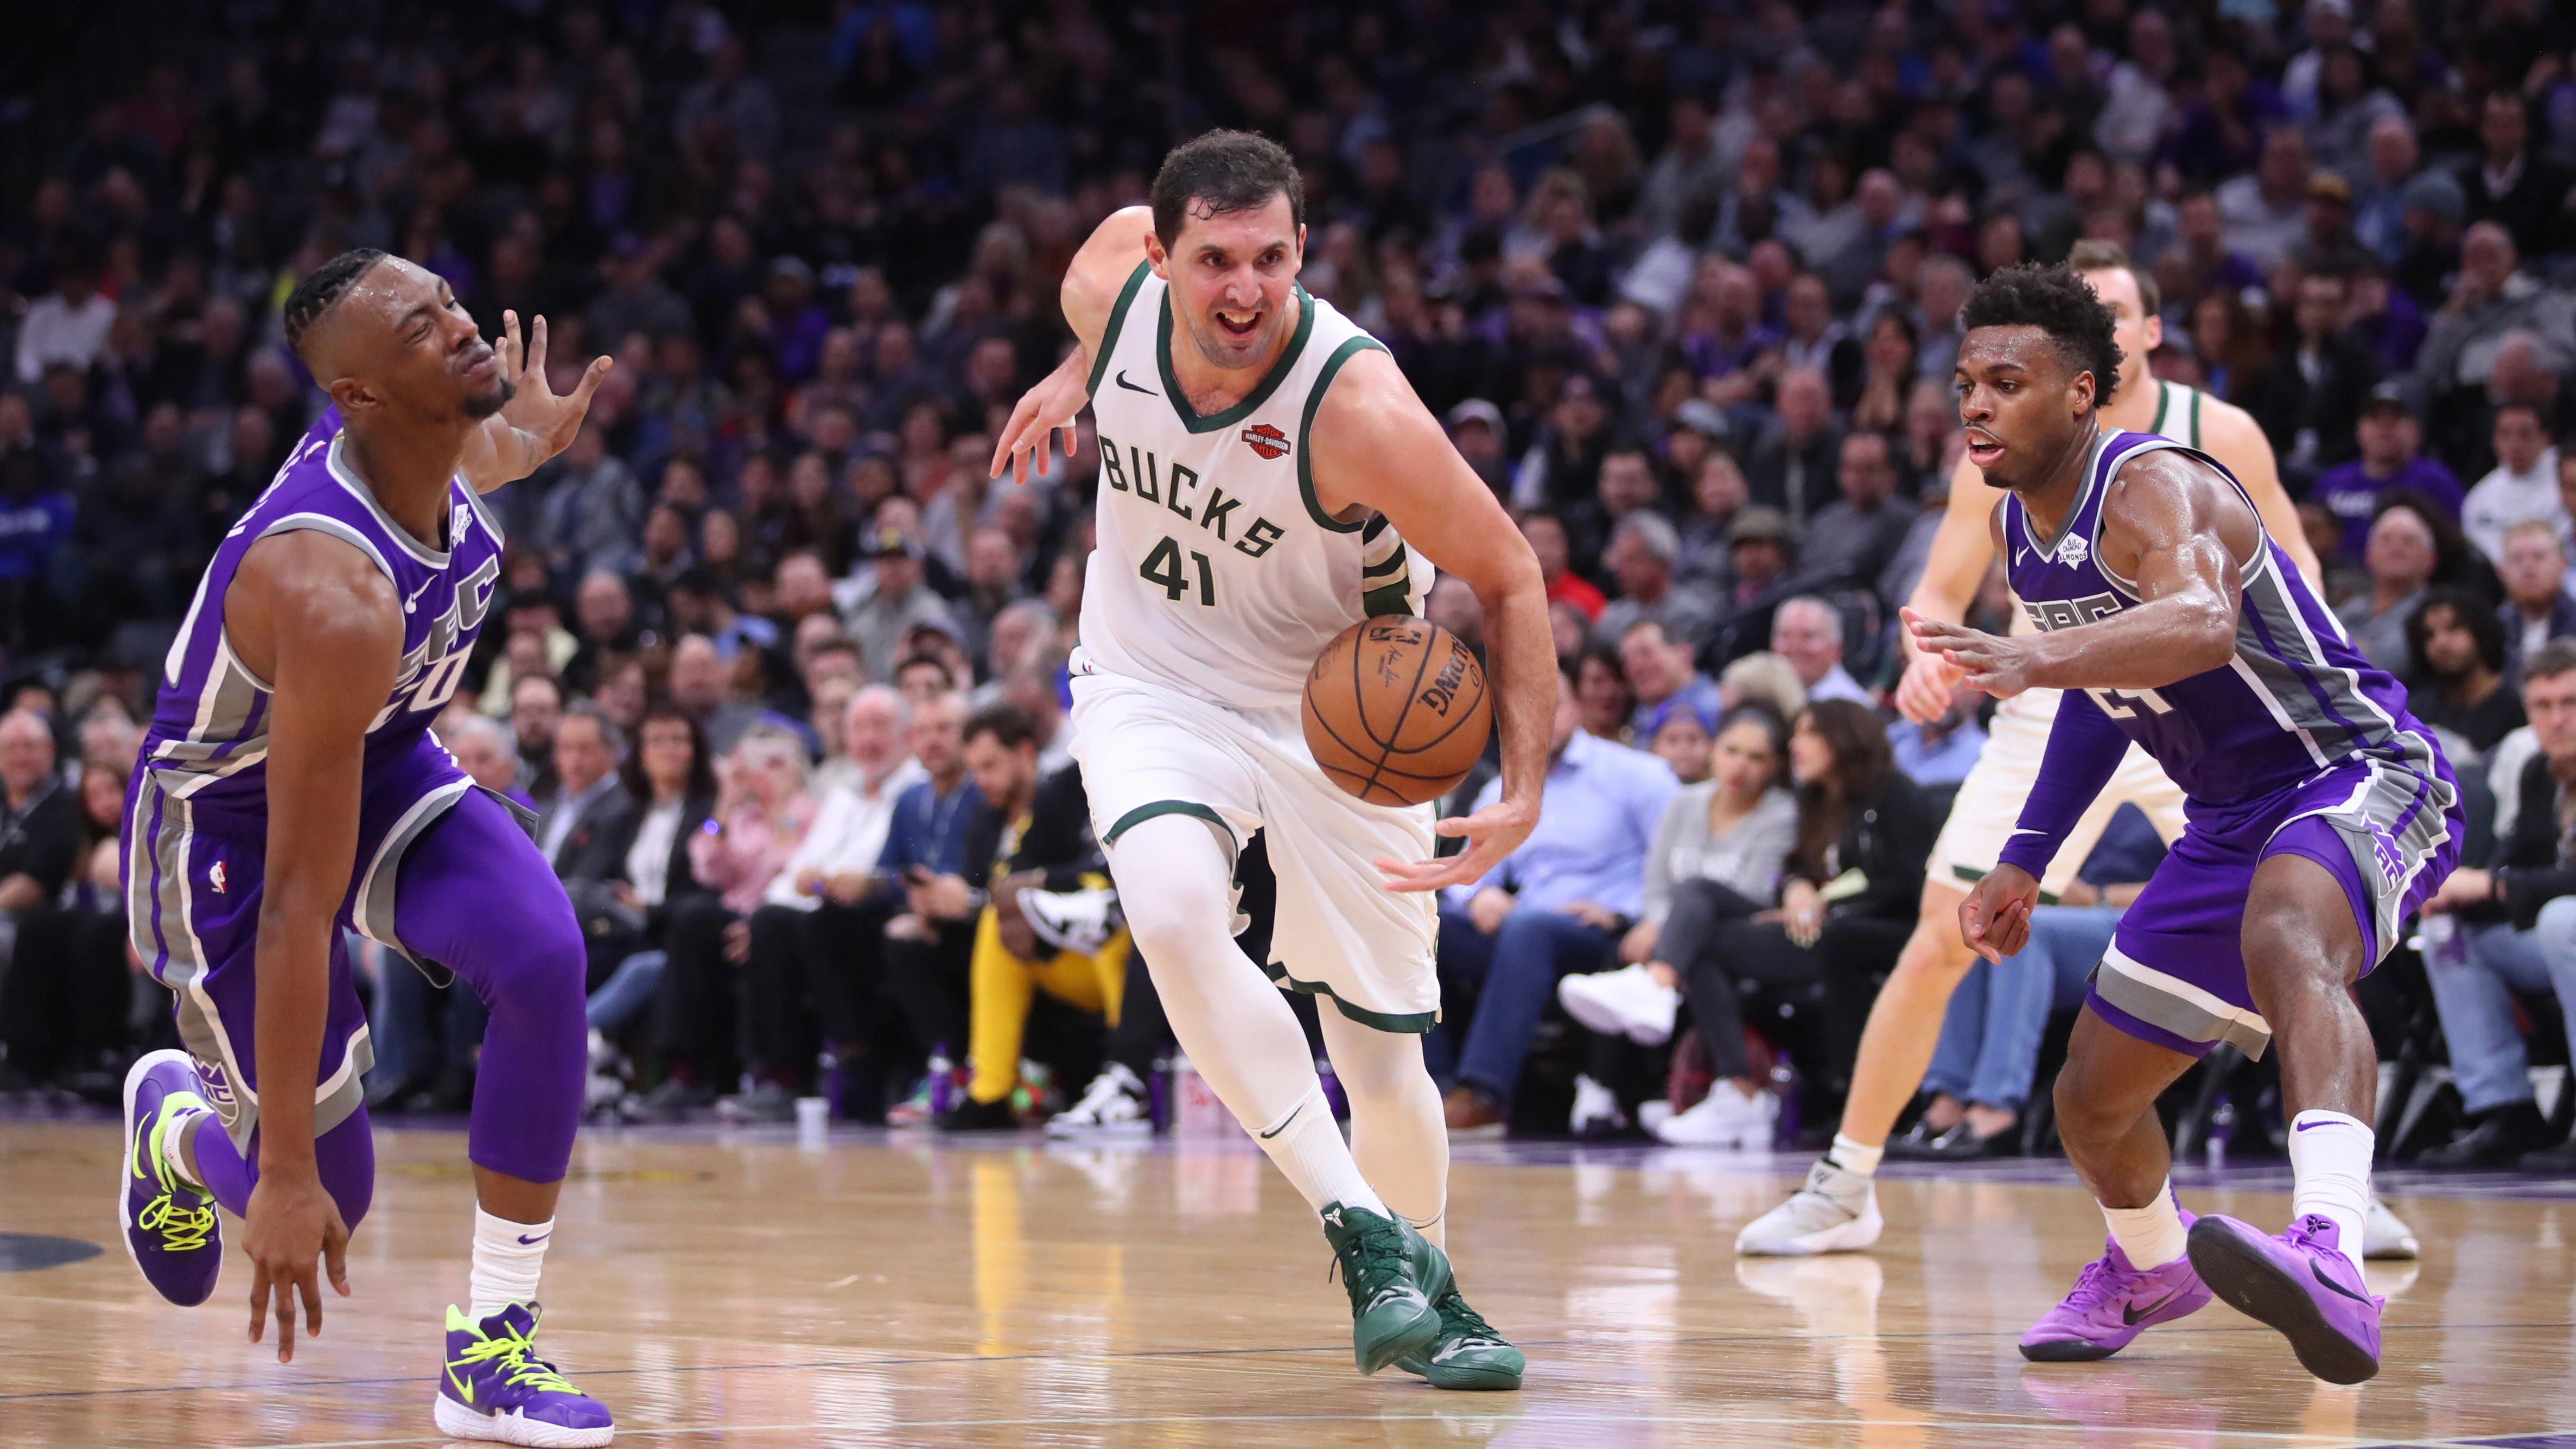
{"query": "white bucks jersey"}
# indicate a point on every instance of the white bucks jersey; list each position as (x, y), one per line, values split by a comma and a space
(1216, 571)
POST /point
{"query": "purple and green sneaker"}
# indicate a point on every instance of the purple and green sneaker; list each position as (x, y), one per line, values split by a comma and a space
(2301, 1284)
(2112, 1304)
(171, 1231)
(496, 1390)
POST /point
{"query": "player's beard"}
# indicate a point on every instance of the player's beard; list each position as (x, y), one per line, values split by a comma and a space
(1217, 345)
(482, 405)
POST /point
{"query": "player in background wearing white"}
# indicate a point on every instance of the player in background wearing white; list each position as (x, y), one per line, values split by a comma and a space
(1837, 1209)
(1263, 467)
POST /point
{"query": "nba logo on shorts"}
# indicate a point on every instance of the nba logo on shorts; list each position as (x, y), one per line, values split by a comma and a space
(215, 878)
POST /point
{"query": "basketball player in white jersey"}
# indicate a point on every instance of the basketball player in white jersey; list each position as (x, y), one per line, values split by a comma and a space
(1263, 465)
(1837, 1209)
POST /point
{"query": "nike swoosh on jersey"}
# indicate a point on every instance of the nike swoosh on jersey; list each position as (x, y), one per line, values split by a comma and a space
(1131, 387)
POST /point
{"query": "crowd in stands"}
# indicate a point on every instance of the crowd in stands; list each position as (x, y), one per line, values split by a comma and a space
(777, 671)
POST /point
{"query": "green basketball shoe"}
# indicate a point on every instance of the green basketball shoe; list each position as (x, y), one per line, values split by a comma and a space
(1466, 1353)
(1391, 1316)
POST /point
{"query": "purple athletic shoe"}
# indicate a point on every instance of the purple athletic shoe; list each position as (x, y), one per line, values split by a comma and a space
(171, 1231)
(495, 1388)
(2111, 1305)
(2300, 1283)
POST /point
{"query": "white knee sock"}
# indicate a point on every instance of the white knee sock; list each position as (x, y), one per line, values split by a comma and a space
(174, 1144)
(2153, 1235)
(1174, 883)
(508, 1257)
(1398, 1135)
(2330, 1174)
(1307, 1144)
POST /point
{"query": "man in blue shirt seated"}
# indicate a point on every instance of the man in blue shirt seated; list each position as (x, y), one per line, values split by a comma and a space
(2390, 431)
(925, 957)
(1558, 904)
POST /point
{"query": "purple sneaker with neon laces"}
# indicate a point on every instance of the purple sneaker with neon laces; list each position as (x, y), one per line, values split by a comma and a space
(495, 1389)
(2111, 1305)
(2301, 1284)
(171, 1231)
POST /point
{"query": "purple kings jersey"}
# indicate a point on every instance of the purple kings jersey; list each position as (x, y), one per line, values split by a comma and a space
(2296, 700)
(208, 742)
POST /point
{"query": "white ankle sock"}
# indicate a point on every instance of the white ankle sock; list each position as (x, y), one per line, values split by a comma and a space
(1857, 1157)
(1307, 1144)
(174, 1142)
(508, 1257)
(2330, 1172)
(2152, 1236)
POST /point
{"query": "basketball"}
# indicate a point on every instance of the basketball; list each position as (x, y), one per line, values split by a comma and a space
(1396, 711)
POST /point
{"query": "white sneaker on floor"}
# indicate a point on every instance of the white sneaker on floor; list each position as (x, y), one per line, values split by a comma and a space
(1836, 1212)
(2386, 1235)
(1627, 1002)
(1114, 1105)
(1726, 1117)
(1596, 1109)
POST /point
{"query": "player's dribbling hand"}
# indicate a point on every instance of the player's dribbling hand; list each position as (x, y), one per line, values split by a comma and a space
(1491, 834)
(1923, 694)
(1995, 918)
(292, 1222)
(1042, 410)
(1990, 662)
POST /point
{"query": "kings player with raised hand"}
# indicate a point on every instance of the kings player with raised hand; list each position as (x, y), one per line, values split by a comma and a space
(2321, 814)
(1266, 475)
(289, 791)
(1836, 1210)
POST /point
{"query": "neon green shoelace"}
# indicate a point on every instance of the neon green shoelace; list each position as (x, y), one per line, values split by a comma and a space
(181, 1229)
(519, 1365)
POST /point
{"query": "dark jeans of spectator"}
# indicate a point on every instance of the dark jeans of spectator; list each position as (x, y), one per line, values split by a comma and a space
(1143, 1035)
(1517, 967)
(695, 1013)
(65, 996)
(1712, 939)
(809, 970)
(926, 980)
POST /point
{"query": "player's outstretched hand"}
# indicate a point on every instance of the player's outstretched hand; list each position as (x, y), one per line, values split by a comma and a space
(292, 1223)
(1491, 833)
(1043, 409)
(1923, 694)
(1995, 918)
(1999, 666)
(550, 422)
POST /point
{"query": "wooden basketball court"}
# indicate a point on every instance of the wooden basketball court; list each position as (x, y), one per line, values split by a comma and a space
(746, 1288)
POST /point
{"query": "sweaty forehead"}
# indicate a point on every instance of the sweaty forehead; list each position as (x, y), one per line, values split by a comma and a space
(1237, 233)
(2021, 346)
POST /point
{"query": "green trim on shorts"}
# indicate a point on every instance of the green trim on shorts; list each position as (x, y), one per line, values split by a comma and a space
(1191, 808)
(1409, 1024)
(1972, 875)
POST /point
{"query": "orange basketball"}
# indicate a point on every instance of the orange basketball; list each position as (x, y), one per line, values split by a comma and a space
(1396, 711)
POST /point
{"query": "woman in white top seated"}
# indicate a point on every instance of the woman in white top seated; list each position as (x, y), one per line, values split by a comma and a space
(1730, 831)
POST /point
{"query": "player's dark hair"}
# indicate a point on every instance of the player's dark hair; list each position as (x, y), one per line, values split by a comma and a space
(2468, 612)
(321, 291)
(1008, 724)
(1222, 172)
(701, 787)
(2058, 302)
(1861, 760)
(2101, 254)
